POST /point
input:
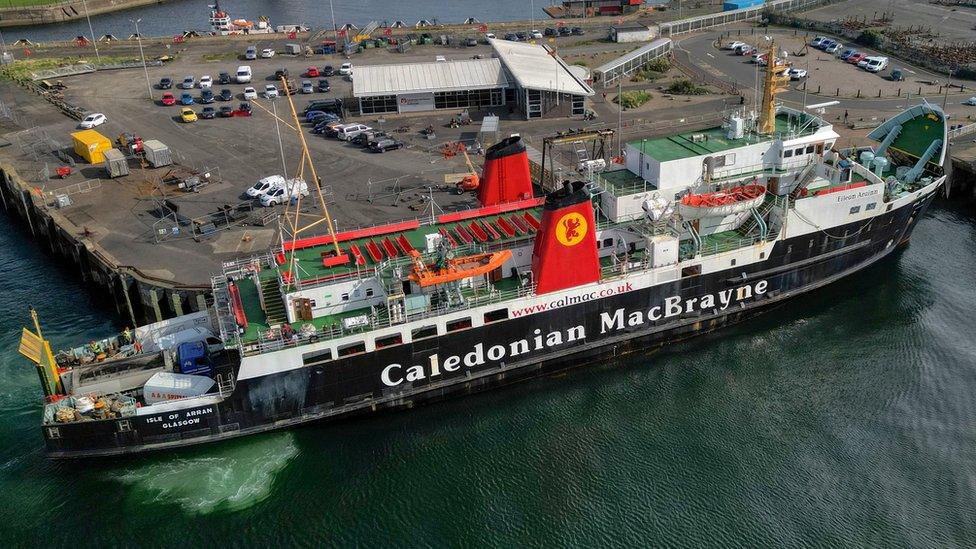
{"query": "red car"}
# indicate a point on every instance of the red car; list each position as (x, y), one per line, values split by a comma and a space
(856, 58)
(312, 72)
(168, 99)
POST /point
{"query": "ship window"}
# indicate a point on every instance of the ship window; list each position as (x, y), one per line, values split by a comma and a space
(369, 292)
(798, 152)
(692, 270)
(389, 340)
(353, 349)
(855, 209)
(809, 149)
(871, 206)
(459, 324)
(421, 333)
(344, 297)
(787, 154)
(607, 242)
(733, 263)
(762, 255)
(495, 316)
(317, 357)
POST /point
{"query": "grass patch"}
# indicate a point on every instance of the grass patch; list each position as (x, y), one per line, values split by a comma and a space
(218, 56)
(654, 70)
(685, 86)
(580, 63)
(632, 99)
(28, 3)
(22, 69)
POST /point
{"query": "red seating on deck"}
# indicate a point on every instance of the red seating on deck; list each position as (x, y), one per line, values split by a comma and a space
(465, 236)
(237, 305)
(448, 236)
(531, 220)
(405, 244)
(334, 260)
(520, 224)
(492, 232)
(389, 248)
(505, 227)
(360, 260)
(374, 251)
(478, 232)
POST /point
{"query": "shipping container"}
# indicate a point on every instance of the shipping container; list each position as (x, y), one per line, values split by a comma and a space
(731, 5)
(157, 154)
(164, 386)
(116, 163)
(91, 145)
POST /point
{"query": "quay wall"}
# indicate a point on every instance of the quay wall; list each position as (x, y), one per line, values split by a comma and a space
(68, 10)
(138, 298)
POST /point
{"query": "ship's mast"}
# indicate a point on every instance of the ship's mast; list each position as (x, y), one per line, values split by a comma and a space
(776, 81)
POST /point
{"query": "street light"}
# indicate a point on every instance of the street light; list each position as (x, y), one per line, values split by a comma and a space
(92, 32)
(335, 31)
(143, 54)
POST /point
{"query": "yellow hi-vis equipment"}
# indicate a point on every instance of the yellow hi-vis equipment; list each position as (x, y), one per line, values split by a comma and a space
(38, 350)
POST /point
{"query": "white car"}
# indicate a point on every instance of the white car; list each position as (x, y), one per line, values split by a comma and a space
(489, 36)
(92, 120)
(816, 42)
(270, 91)
(267, 53)
(345, 69)
(734, 45)
(971, 102)
(535, 34)
(250, 93)
(188, 83)
(797, 74)
(264, 185)
(206, 82)
(293, 188)
(876, 64)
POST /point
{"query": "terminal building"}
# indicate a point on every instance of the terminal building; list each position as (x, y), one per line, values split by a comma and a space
(526, 78)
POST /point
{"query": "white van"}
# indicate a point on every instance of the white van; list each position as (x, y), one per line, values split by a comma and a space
(243, 74)
(264, 185)
(876, 64)
(348, 131)
(172, 341)
(293, 188)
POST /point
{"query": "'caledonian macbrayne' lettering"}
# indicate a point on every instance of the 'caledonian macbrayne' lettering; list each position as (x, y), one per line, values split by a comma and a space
(618, 320)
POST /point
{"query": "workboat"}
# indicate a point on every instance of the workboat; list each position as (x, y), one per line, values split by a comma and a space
(222, 24)
(333, 324)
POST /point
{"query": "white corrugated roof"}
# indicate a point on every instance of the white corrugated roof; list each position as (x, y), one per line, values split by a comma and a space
(534, 68)
(467, 74)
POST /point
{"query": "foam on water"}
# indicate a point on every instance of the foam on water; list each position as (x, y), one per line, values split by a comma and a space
(227, 477)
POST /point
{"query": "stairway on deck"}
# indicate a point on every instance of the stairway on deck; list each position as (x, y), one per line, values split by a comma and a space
(274, 309)
(751, 223)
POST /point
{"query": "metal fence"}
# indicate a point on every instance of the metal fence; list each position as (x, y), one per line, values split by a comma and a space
(703, 22)
(962, 130)
(610, 72)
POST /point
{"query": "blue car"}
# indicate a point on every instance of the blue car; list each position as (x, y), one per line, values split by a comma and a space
(186, 98)
(322, 117)
(312, 114)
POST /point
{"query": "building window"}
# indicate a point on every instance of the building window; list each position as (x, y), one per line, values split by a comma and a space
(353, 349)
(389, 340)
(316, 358)
(871, 206)
(855, 209)
(495, 316)
(378, 105)
(424, 332)
(459, 324)
(464, 99)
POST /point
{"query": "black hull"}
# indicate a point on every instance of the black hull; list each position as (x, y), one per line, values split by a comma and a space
(355, 385)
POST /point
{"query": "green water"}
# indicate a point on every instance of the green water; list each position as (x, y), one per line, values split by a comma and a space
(845, 418)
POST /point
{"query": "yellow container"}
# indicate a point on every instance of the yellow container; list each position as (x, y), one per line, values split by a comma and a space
(91, 145)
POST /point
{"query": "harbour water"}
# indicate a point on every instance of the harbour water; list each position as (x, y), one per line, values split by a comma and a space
(175, 16)
(844, 418)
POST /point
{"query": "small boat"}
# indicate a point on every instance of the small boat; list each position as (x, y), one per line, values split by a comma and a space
(721, 203)
(457, 268)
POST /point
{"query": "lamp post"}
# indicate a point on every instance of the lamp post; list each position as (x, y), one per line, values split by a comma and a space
(335, 30)
(143, 54)
(92, 32)
(281, 148)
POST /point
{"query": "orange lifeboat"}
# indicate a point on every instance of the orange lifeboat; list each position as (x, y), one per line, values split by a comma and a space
(721, 203)
(243, 23)
(457, 268)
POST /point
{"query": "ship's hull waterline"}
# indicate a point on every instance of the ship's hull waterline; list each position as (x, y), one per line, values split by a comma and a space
(505, 352)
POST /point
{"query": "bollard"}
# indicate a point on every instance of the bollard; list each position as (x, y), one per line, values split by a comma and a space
(899, 92)
(838, 93)
(879, 93)
(818, 88)
(858, 93)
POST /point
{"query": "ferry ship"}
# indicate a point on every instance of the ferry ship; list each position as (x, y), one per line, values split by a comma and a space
(695, 231)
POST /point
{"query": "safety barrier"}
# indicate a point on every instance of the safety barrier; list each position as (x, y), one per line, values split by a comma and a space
(703, 22)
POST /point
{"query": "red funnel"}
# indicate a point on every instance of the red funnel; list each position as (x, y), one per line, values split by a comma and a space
(506, 175)
(565, 253)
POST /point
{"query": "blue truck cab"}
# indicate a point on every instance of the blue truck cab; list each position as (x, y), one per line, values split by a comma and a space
(194, 359)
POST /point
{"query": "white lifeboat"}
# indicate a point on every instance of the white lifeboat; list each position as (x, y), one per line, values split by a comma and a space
(721, 203)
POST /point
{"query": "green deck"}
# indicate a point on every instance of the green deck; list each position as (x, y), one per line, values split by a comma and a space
(675, 147)
(917, 134)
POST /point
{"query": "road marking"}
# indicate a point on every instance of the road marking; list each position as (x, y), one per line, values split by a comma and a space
(710, 55)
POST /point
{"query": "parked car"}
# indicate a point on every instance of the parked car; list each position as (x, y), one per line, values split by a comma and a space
(387, 144)
(281, 72)
(857, 58)
(206, 96)
(550, 31)
(440, 59)
(565, 31)
(208, 113)
(165, 83)
(324, 86)
(333, 105)
(186, 98)
(348, 131)
(577, 31)
(250, 93)
(876, 64)
(223, 78)
(345, 69)
(511, 37)
(534, 33)
(971, 101)
(364, 138)
(522, 36)
(897, 75)
(834, 48)
(226, 111)
(243, 74)
(270, 91)
(733, 45)
(846, 54)
(312, 72)
(225, 95)
(92, 120)
(797, 74)
(327, 127)
(251, 53)
(279, 195)
(489, 36)
(267, 53)
(817, 41)
(470, 42)
(206, 82)
(320, 117)
(168, 99)
(827, 42)
(307, 86)
(187, 115)
(864, 62)
(188, 83)
(328, 71)
(264, 184)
